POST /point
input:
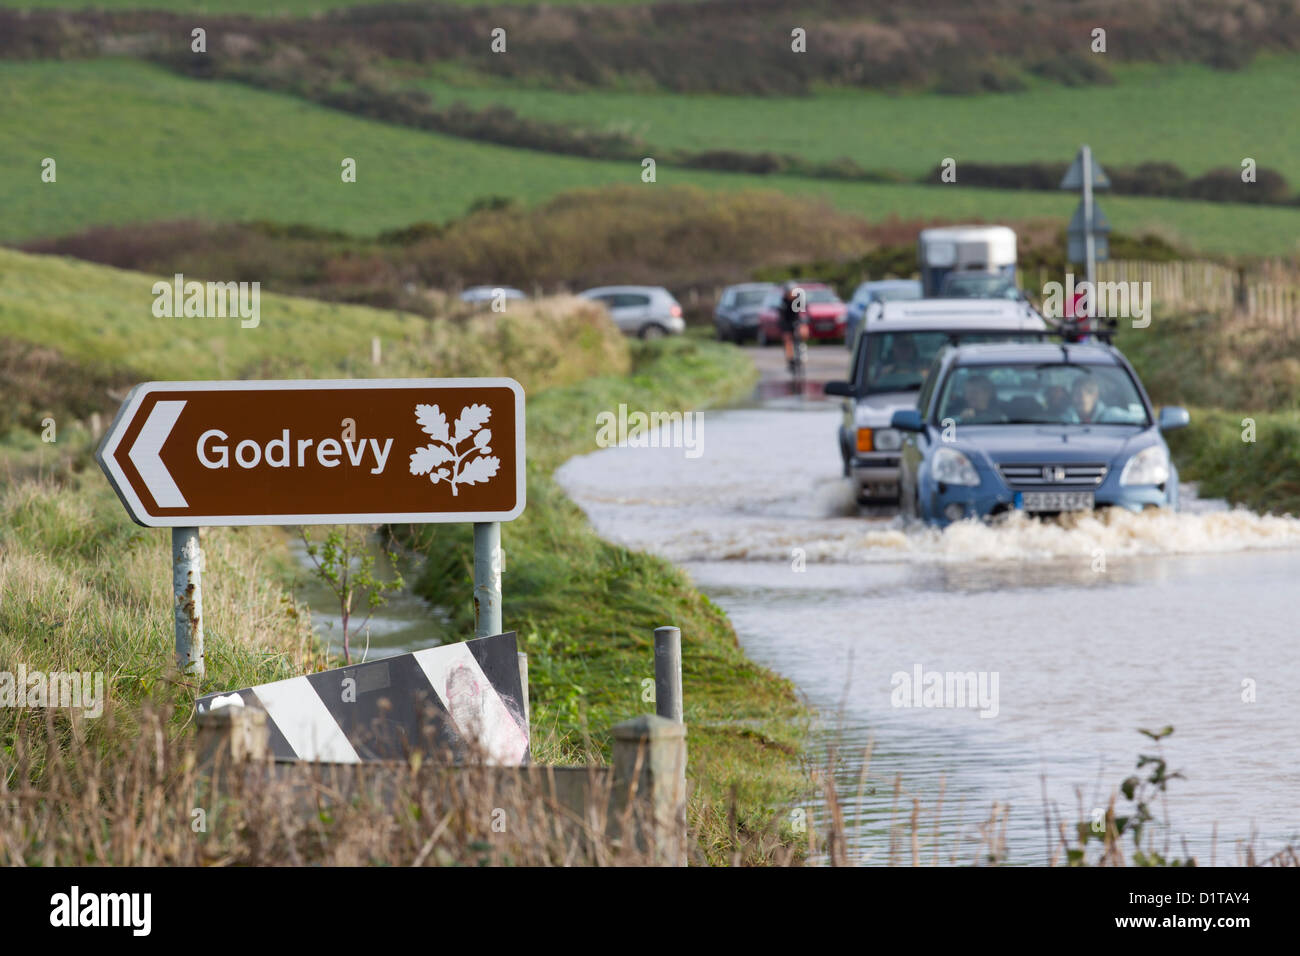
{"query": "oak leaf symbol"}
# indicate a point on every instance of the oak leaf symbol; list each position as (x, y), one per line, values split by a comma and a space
(470, 466)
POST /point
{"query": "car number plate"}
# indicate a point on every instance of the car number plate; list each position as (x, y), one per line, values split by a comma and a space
(1058, 501)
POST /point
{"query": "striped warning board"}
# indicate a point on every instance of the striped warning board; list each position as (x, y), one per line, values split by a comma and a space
(453, 698)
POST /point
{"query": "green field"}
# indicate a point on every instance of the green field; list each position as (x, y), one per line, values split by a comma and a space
(135, 143)
(1193, 116)
(265, 8)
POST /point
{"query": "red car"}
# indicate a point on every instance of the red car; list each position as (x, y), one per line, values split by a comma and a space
(825, 311)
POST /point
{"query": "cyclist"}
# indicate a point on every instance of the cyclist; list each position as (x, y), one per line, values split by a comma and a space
(792, 318)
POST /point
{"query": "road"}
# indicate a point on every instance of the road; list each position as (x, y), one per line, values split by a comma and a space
(1091, 631)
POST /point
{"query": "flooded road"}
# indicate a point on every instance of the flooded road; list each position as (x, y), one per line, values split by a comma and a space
(1073, 637)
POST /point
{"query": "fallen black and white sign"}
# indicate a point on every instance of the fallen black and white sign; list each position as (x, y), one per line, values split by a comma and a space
(454, 698)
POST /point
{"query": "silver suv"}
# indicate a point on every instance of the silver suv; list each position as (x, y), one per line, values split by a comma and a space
(646, 310)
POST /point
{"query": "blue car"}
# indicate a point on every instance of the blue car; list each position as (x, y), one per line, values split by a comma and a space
(1040, 427)
(868, 294)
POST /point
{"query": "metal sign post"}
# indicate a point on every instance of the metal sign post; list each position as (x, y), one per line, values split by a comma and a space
(185, 455)
(187, 595)
(1090, 242)
(487, 578)
(1088, 229)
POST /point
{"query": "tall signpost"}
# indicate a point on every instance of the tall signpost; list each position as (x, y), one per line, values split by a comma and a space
(184, 455)
(1088, 230)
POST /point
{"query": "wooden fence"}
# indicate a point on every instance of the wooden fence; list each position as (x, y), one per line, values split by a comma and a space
(1268, 294)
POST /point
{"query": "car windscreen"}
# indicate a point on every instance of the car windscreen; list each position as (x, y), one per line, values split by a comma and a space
(900, 361)
(750, 299)
(979, 287)
(900, 294)
(1055, 393)
(820, 295)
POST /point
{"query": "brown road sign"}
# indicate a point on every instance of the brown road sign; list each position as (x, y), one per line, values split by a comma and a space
(190, 454)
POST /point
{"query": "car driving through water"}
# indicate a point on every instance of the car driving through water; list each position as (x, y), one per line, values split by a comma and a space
(894, 352)
(1044, 428)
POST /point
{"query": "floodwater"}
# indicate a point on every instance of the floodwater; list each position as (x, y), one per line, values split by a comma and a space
(1090, 631)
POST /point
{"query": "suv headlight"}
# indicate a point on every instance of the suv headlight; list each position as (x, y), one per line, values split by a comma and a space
(1150, 466)
(953, 468)
(888, 439)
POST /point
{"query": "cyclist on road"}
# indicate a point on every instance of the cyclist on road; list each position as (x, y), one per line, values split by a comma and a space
(792, 319)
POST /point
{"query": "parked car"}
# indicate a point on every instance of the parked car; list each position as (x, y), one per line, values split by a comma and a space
(645, 310)
(1043, 428)
(894, 353)
(486, 293)
(824, 309)
(875, 293)
(736, 315)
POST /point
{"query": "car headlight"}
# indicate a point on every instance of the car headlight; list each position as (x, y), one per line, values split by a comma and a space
(1150, 466)
(953, 468)
(888, 439)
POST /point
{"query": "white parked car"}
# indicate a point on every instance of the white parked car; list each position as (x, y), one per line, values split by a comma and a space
(645, 310)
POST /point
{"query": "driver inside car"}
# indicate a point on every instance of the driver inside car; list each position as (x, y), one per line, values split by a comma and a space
(980, 406)
(904, 359)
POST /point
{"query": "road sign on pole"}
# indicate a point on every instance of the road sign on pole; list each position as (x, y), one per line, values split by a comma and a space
(192, 454)
(182, 455)
(1087, 240)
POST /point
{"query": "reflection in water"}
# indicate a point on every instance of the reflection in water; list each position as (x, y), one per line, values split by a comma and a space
(1094, 628)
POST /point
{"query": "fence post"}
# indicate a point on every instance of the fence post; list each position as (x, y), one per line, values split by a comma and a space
(649, 795)
(668, 673)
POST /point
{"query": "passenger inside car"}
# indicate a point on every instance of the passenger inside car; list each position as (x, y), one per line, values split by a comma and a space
(1086, 404)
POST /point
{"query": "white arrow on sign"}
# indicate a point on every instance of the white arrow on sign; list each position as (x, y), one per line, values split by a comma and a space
(146, 455)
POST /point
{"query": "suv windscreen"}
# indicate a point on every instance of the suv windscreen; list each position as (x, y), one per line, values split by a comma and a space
(900, 361)
(979, 287)
(745, 300)
(1055, 393)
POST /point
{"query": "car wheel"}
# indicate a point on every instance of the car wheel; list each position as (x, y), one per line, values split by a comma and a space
(760, 337)
(653, 331)
(723, 334)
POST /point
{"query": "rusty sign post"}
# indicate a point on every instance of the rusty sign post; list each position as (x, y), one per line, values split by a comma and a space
(184, 455)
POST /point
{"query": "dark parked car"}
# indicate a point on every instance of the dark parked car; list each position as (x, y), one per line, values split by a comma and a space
(736, 316)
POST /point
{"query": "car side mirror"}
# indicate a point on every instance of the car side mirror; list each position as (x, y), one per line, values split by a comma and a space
(844, 389)
(1173, 416)
(907, 420)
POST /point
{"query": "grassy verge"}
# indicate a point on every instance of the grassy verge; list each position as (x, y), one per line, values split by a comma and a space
(585, 610)
(1231, 374)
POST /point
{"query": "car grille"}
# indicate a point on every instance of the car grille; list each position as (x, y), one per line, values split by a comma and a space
(1031, 475)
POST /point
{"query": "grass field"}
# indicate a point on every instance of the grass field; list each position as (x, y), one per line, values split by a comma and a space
(1153, 112)
(134, 143)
